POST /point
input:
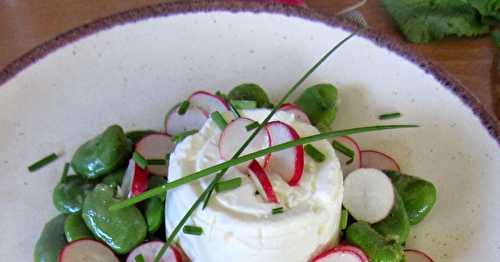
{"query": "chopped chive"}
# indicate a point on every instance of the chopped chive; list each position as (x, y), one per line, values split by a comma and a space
(192, 230)
(42, 162)
(244, 104)
(348, 162)
(389, 116)
(139, 160)
(183, 107)
(314, 153)
(167, 157)
(139, 258)
(218, 119)
(277, 210)
(233, 109)
(179, 137)
(343, 219)
(231, 184)
(156, 162)
(252, 126)
(65, 172)
(343, 149)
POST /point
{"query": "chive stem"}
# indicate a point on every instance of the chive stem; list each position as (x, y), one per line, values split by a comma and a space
(219, 120)
(342, 149)
(139, 258)
(228, 185)
(314, 153)
(183, 107)
(244, 104)
(139, 160)
(179, 137)
(277, 210)
(233, 109)
(42, 162)
(65, 172)
(192, 230)
(252, 126)
(343, 219)
(156, 162)
(389, 116)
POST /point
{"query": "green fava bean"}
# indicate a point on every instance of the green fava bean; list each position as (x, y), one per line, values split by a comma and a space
(115, 178)
(362, 235)
(319, 103)
(68, 195)
(153, 212)
(395, 227)
(51, 240)
(122, 230)
(75, 228)
(102, 154)
(250, 91)
(419, 196)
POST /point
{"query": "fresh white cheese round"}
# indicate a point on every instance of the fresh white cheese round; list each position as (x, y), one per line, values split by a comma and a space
(238, 225)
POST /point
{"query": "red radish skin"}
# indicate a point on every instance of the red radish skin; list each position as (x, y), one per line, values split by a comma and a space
(139, 182)
(258, 174)
(155, 146)
(413, 255)
(378, 160)
(208, 102)
(353, 145)
(342, 253)
(150, 249)
(289, 163)
(85, 250)
(235, 134)
(193, 119)
(299, 114)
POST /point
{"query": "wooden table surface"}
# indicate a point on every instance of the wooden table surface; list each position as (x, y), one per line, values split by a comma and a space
(25, 24)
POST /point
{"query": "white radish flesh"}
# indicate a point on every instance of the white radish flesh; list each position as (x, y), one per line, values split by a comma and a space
(412, 255)
(345, 161)
(262, 182)
(150, 249)
(289, 163)
(368, 195)
(296, 111)
(192, 119)
(341, 254)
(85, 250)
(208, 102)
(235, 134)
(124, 189)
(378, 160)
(155, 146)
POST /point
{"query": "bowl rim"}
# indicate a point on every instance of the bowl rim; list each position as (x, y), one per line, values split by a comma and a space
(392, 43)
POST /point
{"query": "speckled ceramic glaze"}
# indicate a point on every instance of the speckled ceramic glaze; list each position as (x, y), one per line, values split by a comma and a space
(131, 68)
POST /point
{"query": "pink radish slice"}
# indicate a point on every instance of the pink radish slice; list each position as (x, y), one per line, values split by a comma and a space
(139, 182)
(368, 195)
(155, 146)
(412, 255)
(150, 249)
(193, 119)
(262, 182)
(84, 250)
(295, 110)
(208, 102)
(235, 134)
(289, 163)
(378, 160)
(342, 254)
(344, 160)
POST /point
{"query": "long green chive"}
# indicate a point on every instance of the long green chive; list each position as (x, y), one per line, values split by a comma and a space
(277, 210)
(343, 219)
(228, 185)
(156, 162)
(139, 258)
(183, 107)
(252, 126)
(233, 109)
(389, 116)
(179, 137)
(244, 104)
(219, 120)
(342, 149)
(192, 230)
(233, 162)
(139, 160)
(42, 162)
(314, 153)
(65, 172)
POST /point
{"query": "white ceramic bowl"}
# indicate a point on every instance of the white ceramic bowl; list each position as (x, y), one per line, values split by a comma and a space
(132, 67)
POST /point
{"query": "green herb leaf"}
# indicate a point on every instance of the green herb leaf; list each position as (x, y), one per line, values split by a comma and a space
(389, 116)
(314, 153)
(244, 104)
(277, 210)
(139, 160)
(183, 107)
(318, 102)
(251, 92)
(228, 185)
(496, 37)
(42, 162)
(192, 230)
(489, 10)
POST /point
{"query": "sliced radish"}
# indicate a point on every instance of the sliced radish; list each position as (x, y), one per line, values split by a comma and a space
(124, 189)
(342, 253)
(412, 255)
(347, 166)
(155, 146)
(235, 134)
(84, 250)
(368, 195)
(378, 160)
(295, 110)
(139, 182)
(262, 182)
(150, 249)
(289, 163)
(193, 119)
(208, 102)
